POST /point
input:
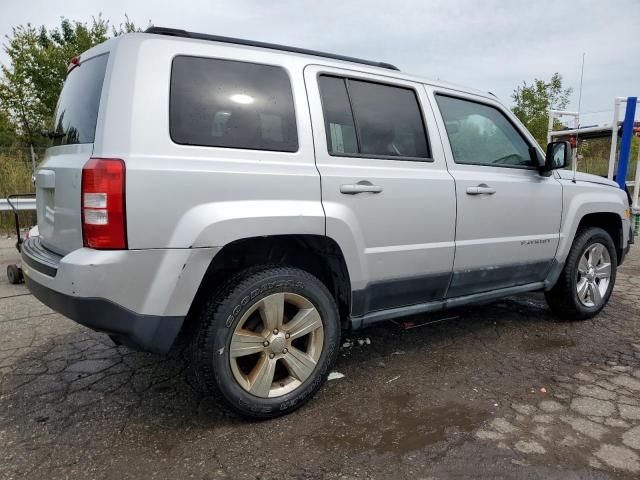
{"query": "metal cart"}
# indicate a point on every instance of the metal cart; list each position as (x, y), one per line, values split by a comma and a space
(14, 271)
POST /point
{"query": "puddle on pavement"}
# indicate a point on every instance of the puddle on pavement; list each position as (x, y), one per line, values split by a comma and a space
(401, 427)
(542, 344)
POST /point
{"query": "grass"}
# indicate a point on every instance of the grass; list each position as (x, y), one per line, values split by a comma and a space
(15, 177)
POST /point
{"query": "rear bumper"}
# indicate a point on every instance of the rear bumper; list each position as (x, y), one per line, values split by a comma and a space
(139, 296)
(144, 332)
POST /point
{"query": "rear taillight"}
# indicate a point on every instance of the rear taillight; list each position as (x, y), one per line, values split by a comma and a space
(103, 207)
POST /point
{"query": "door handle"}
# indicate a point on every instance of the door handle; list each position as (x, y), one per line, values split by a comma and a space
(352, 189)
(481, 189)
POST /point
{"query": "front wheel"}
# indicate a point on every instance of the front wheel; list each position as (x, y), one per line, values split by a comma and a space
(588, 277)
(267, 340)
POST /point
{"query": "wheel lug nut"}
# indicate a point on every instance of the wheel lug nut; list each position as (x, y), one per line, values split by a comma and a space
(272, 355)
(286, 350)
(265, 343)
(287, 335)
(275, 332)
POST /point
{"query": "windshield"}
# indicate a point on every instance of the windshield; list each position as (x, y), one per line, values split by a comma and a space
(77, 111)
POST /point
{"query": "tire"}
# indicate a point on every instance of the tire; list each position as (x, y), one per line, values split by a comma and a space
(231, 363)
(564, 298)
(14, 274)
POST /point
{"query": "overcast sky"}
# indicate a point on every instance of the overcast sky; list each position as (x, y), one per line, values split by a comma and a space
(487, 44)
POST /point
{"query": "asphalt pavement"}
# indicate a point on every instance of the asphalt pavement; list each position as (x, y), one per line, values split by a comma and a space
(503, 390)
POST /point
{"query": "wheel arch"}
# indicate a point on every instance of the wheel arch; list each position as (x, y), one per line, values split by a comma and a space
(609, 222)
(596, 206)
(316, 254)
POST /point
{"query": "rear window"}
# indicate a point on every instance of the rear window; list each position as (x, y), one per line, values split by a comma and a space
(226, 103)
(77, 110)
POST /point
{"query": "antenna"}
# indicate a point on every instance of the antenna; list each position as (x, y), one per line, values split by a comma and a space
(581, 77)
(577, 121)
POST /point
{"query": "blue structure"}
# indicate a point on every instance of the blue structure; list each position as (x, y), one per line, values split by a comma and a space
(625, 144)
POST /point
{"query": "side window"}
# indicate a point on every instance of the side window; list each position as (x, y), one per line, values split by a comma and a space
(338, 119)
(225, 103)
(482, 135)
(388, 121)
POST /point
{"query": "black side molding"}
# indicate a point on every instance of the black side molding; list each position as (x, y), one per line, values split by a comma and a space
(399, 293)
(174, 32)
(439, 305)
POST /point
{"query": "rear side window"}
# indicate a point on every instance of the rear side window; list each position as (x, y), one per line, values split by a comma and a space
(372, 119)
(77, 110)
(338, 119)
(225, 103)
(389, 120)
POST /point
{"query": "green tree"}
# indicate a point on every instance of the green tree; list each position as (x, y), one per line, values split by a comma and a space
(39, 57)
(532, 104)
(7, 130)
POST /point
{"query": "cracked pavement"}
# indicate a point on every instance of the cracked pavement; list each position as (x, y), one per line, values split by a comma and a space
(501, 390)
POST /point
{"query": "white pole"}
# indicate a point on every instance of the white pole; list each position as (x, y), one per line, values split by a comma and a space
(614, 139)
(552, 117)
(553, 114)
(33, 160)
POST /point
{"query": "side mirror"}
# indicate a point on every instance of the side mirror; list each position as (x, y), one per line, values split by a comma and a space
(558, 155)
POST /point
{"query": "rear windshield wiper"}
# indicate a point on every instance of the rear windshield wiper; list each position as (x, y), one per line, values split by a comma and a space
(52, 134)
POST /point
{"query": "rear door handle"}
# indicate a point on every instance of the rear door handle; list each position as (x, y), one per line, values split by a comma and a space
(481, 189)
(352, 189)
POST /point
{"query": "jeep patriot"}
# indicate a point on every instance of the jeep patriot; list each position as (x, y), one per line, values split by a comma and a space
(262, 199)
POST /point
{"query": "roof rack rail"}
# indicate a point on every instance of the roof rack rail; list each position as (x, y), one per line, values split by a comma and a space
(174, 32)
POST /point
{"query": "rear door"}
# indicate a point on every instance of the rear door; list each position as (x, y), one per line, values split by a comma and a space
(58, 180)
(509, 214)
(388, 199)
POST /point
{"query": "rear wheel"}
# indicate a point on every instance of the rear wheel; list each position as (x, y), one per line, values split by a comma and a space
(267, 340)
(588, 277)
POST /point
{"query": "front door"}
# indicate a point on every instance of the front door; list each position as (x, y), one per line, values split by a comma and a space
(388, 198)
(509, 214)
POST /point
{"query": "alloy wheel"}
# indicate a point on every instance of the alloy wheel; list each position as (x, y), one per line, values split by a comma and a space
(594, 275)
(276, 345)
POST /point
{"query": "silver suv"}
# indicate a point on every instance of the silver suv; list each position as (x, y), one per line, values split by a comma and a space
(267, 198)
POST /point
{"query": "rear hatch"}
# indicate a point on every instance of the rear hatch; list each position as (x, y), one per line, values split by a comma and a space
(59, 178)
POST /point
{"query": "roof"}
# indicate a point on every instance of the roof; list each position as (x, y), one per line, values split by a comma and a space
(272, 46)
(390, 70)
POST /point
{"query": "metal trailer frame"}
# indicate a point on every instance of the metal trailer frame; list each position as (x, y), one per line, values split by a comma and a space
(625, 150)
(17, 202)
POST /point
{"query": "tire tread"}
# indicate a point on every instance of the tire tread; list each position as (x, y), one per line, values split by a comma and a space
(204, 337)
(561, 297)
